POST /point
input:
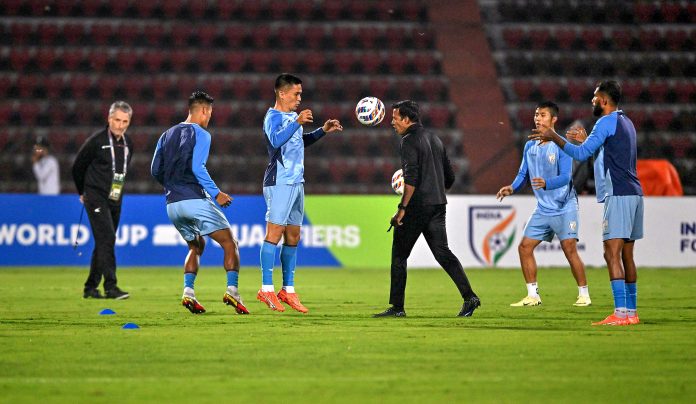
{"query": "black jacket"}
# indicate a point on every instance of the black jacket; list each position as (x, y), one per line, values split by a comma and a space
(92, 170)
(426, 166)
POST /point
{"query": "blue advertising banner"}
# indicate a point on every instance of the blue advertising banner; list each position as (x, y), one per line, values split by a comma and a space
(42, 230)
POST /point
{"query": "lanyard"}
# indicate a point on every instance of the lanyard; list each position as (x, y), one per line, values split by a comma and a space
(113, 155)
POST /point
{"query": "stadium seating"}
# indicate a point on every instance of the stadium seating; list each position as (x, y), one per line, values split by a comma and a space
(543, 51)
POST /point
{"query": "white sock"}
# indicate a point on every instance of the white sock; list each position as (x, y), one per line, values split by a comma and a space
(289, 289)
(631, 312)
(189, 292)
(532, 289)
(583, 291)
(267, 288)
(620, 312)
(233, 290)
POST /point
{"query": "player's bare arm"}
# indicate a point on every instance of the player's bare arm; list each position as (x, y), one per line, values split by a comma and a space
(503, 192)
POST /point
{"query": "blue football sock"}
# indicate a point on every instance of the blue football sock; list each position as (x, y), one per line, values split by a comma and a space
(268, 251)
(288, 258)
(631, 296)
(189, 279)
(233, 278)
(618, 289)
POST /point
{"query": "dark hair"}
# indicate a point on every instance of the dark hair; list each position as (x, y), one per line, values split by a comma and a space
(200, 97)
(286, 79)
(42, 141)
(611, 88)
(409, 109)
(550, 105)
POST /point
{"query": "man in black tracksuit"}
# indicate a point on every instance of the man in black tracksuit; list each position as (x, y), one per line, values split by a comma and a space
(427, 174)
(99, 172)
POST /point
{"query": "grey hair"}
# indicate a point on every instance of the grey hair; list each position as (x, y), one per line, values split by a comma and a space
(121, 105)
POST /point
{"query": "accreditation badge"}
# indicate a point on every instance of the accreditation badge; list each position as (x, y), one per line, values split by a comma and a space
(117, 186)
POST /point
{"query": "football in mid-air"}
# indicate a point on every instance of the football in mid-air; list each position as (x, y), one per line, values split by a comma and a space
(370, 111)
(398, 182)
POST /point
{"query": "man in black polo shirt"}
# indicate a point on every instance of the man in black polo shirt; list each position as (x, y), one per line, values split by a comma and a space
(99, 172)
(427, 174)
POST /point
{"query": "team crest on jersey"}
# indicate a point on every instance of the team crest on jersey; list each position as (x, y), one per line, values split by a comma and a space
(552, 158)
(491, 232)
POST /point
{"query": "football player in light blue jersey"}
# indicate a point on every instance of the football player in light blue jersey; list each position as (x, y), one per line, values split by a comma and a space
(613, 143)
(556, 213)
(179, 165)
(283, 187)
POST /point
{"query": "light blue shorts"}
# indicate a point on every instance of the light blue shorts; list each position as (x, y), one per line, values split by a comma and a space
(623, 217)
(193, 217)
(285, 204)
(540, 227)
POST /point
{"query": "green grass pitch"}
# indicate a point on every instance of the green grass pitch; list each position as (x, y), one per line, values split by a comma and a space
(54, 347)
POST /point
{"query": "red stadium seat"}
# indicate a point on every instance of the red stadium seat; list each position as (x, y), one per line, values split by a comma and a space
(19, 58)
(28, 112)
(565, 38)
(74, 33)
(261, 61)
(48, 33)
(658, 91)
(25, 85)
(332, 9)
(548, 89)
(261, 36)
(72, 58)
(662, 119)
(439, 116)
(153, 33)
(54, 86)
(314, 36)
(644, 11)
(686, 92)
(370, 63)
(5, 84)
(279, 10)
(44, 59)
(107, 86)
(180, 34)
(631, 90)
(622, 39)
(670, 11)
(523, 89)
(512, 37)
(251, 10)
(287, 61)
(313, 62)
(676, 39)
(648, 39)
(287, 38)
(539, 38)
(396, 37)
(342, 36)
(154, 60)
(145, 9)
(235, 35)
(343, 62)
(422, 38)
(592, 38)
(101, 33)
(433, 89)
(425, 63)
(367, 37)
(235, 61)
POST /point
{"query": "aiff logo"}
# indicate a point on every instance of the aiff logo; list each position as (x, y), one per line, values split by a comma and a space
(490, 232)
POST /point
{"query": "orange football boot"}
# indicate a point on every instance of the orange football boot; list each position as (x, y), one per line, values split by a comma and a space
(271, 300)
(633, 320)
(612, 319)
(292, 300)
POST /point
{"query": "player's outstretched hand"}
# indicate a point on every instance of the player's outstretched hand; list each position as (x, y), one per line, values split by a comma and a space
(538, 183)
(576, 134)
(504, 191)
(332, 125)
(305, 116)
(543, 133)
(223, 199)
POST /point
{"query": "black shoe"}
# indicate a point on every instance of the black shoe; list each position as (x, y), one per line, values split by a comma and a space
(117, 294)
(92, 293)
(391, 312)
(469, 306)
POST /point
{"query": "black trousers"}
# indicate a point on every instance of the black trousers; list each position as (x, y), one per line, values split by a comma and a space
(104, 215)
(429, 221)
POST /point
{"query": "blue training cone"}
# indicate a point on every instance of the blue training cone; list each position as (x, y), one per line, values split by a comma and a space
(106, 312)
(130, 326)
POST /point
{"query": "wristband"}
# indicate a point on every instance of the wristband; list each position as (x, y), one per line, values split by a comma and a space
(402, 207)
